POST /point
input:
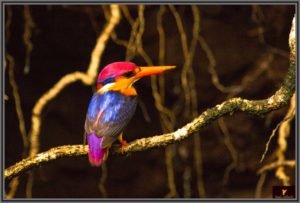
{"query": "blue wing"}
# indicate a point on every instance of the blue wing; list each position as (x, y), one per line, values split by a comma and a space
(108, 114)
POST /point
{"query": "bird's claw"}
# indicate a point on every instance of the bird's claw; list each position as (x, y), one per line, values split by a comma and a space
(123, 145)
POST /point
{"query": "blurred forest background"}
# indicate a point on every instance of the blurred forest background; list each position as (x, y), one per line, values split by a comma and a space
(221, 51)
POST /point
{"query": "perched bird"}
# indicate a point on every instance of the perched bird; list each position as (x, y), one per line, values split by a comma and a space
(113, 105)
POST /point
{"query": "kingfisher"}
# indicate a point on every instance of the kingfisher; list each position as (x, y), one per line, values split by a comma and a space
(113, 105)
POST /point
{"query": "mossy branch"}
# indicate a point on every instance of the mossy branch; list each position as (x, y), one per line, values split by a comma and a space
(258, 107)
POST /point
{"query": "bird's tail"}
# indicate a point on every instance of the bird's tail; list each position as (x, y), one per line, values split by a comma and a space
(96, 154)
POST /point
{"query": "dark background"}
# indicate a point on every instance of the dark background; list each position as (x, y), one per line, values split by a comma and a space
(63, 38)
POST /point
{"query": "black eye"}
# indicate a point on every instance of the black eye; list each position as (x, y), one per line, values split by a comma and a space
(129, 74)
(107, 80)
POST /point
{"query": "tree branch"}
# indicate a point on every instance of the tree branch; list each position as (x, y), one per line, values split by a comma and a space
(257, 107)
(274, 165)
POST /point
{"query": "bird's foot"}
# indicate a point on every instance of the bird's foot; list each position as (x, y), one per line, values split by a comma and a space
(123, 142)
(123, 145)
(106, 154)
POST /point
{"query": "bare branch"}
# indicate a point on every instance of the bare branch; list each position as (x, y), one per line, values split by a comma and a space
(259, 185)
(52, 154)
(29, 25)
(275, 165)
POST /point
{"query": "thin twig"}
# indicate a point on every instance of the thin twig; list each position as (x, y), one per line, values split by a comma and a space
(212, 68)
(187, 179)
(271, 137)
(13, 185)
(28, 27)
(167, 117)
(170, 172)
(194, 101)
(284, 131)
(102, 180)
(187, 59)
(17, 98)
(8, 20)
(258, 16)
(231, 149)
(15, 182)
(274, 165)
(259, 185)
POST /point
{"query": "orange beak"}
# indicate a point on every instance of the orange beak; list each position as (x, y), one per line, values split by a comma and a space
(152, 70)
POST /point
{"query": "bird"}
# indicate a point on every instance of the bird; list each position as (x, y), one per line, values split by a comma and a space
(112, 106)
